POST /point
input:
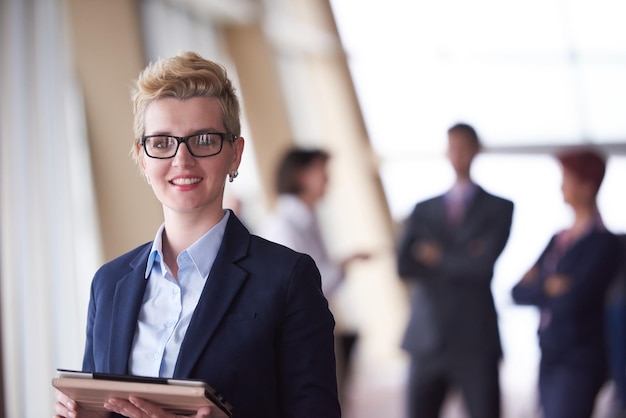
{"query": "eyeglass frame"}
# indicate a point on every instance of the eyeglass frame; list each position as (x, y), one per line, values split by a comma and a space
(185, 140)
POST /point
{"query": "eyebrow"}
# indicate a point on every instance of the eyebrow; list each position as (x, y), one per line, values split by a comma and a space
(196, 132)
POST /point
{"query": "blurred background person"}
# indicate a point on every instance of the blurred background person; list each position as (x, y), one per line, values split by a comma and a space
(448, 249)
(568, 284)
(616, 334)
(301, 182)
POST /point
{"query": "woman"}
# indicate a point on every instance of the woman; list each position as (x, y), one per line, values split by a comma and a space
(207, 300)
(568, 283)
(301, 183)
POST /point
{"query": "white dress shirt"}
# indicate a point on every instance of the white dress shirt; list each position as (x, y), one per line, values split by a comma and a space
(294, 224)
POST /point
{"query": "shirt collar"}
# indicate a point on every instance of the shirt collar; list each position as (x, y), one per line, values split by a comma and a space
(202, 252)
(156, 253)
(462, 190)
(565, 239)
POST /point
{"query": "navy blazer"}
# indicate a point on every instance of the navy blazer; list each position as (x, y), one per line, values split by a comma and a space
(262, 333)
(452, 306)
(574, 333)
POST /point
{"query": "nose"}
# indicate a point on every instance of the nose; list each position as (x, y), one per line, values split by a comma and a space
(183, 157)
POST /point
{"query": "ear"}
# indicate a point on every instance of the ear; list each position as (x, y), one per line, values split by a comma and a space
(238, 147)
(143, 170)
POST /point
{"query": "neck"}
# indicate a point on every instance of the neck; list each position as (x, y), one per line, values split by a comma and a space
(182, 230)
(463, 180)
(583, 217)
(308, 200)
(462, 177)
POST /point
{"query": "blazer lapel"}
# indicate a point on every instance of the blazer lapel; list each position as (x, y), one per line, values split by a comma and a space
(222, 285)
(126, 305)
(436, 213)
(439, 222)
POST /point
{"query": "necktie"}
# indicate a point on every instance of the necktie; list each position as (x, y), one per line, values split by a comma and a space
(456, 208)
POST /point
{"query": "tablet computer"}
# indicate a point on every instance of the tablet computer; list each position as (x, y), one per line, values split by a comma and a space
(178, 396)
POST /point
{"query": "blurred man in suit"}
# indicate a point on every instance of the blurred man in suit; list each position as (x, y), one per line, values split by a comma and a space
(449, 246)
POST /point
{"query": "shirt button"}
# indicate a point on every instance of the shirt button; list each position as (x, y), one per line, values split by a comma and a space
(175, 290)
(156, 355)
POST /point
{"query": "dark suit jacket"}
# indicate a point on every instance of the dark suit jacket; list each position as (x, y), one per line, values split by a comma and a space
(262, 333)
(575, 332)
(452, 310)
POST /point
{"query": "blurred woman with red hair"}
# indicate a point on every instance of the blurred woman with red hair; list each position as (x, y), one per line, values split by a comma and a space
(568, 284)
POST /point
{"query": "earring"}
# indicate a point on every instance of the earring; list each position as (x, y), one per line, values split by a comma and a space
(232, 175)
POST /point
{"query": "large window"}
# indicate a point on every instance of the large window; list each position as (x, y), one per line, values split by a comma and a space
(523, 73)
(530, 76)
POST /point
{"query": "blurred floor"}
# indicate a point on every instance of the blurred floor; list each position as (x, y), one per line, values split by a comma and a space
(378, 391)
(375, 387)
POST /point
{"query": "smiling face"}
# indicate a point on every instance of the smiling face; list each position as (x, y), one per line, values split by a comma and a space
(185, 184)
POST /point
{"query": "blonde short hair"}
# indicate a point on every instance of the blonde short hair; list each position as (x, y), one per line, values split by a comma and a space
(183, 76)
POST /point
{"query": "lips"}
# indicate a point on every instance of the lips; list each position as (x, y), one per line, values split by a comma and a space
(185, 181)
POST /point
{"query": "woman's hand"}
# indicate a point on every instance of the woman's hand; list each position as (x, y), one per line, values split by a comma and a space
(132, 407)
(346, 262)
(531, 276)
(65, 407)
(140, 408)
(557, 285)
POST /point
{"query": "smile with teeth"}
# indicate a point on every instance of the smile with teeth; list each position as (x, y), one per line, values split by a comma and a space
(185, 181)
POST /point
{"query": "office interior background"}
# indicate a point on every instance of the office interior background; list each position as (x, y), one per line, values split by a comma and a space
(375, 83)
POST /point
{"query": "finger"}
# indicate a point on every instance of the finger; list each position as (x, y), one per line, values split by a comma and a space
(204, 412)
(123, 407)
(62, 410)
(62, 398)
(153, 410)
(148, 408)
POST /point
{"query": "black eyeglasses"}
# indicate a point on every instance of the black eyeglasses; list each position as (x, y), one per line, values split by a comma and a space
(199, 145)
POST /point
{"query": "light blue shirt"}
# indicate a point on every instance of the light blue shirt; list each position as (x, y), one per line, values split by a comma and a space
(168, 304)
